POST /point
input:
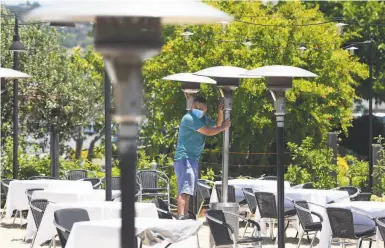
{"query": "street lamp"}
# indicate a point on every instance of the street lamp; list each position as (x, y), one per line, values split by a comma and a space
(279, 78)
(190, 85)
(127, 33)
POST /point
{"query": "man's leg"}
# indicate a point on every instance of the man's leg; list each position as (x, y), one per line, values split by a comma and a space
(183, 203)
(182, 177)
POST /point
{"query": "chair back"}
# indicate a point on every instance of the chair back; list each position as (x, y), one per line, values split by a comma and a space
(250, 199)
(29, 193)
(38, 207)
(41, 178)
(160, 204)
(5, 185)
(115, 183)
(308, 185)
(269, 178)
(305, 218)
(219, 232)
(149, 180)
(362, 197)
(381, 226)
(204, 192)
(96, 182)
(266, 204)
(78, 174)
(65, 218)
(341, 223)
(230, 193)
(350, 189)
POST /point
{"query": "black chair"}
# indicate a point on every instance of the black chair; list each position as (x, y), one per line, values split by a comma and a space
(64, 219)
(96, 182)
(204, 191)
(29, 193)
(269, 178)
(352, 191)
(305, 217)
(4, 188)
(267, 208)
(362, 197)
(220, 230)
(304, 186)
(230, 193)
(78, 174)
(42, 178)
(38, 207)
(380, 222)
(251, 202)
(138, 189)
(343, 227)
(154, 184)
(164, 210)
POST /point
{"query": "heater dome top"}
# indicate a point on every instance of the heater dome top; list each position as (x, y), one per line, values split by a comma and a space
(222, 72)
(170, 11)
(189, 77)
(279, 71)
(10, 73)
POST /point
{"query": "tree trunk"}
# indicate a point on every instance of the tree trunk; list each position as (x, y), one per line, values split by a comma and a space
(79, 144)
(90, 153)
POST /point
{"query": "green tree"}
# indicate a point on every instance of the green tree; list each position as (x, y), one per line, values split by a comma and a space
(314, 106)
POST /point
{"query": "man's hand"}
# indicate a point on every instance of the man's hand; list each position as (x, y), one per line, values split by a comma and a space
(226, 124)
(221, 106)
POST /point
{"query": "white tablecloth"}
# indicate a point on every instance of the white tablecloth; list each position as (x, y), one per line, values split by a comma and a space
(96, 211)
(64, 195)
(374, 209)
(102, 234)
(255, 184)
(17, 199)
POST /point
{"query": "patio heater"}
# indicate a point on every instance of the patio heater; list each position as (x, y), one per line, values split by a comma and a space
(127, 33)
(228, 79)
(279, 78)
(190, 86)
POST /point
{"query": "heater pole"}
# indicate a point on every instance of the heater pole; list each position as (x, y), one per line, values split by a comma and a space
(226, 143)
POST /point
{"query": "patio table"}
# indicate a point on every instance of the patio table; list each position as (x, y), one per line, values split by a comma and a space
(106, 233)
(17, 199)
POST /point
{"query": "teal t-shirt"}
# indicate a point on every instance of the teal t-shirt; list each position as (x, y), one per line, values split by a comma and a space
(190, 142)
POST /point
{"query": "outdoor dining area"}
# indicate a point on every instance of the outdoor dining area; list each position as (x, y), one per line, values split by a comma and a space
(72, 212)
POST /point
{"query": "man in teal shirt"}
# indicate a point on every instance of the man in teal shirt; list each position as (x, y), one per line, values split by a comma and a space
(193, 129)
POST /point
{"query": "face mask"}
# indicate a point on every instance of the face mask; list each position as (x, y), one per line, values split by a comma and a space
(198, 113)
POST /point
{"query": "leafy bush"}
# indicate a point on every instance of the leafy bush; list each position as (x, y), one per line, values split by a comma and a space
(352, 171)
(311, 164)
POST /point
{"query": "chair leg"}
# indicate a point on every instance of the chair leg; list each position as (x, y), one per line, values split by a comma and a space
(14, 219)
(33, 240)
(200, 209)
(312, 241)
(300, 239)
(370, 244)
(359, 243)
(330, 241)
(244, 233)
(308, 238)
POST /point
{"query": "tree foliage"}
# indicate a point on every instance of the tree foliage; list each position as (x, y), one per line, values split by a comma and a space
(314, 107)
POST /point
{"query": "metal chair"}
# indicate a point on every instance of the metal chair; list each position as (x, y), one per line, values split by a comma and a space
(78, 174)
(305, 217)
(138, 189)
(154, 184)
(267, 208)
(204, 191)
(38, 207)
(304, 186)
(96, 182)
(115, 183)
(380, 222)
(352, 191)
(164, 210)
(269, 178)
(343, 227)
(41, 178)
(251, 202)
(362, 197)
(221, 230)
(64, 219)
(4, 183)
(230, 193)
(29, 193)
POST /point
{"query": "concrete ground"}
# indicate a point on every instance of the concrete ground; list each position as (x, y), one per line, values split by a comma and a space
(11, 236)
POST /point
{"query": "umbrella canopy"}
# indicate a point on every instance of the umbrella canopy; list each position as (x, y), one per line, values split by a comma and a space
(279, 71)
(189, 77)
(10, 73)
(222, 72)
(170, 11)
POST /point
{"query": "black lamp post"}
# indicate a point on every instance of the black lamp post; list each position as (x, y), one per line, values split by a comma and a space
(127, 33)
(16, 47)
(107, 141)
(279, 79)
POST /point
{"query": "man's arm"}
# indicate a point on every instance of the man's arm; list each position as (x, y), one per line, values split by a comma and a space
(211, 131)
(220, 115)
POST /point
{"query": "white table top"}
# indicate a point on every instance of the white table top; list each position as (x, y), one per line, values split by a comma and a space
(101, 234)
(96, 211)
(17, 199)
(63, 195)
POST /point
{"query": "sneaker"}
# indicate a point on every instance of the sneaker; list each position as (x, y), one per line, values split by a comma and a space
(182, 217)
